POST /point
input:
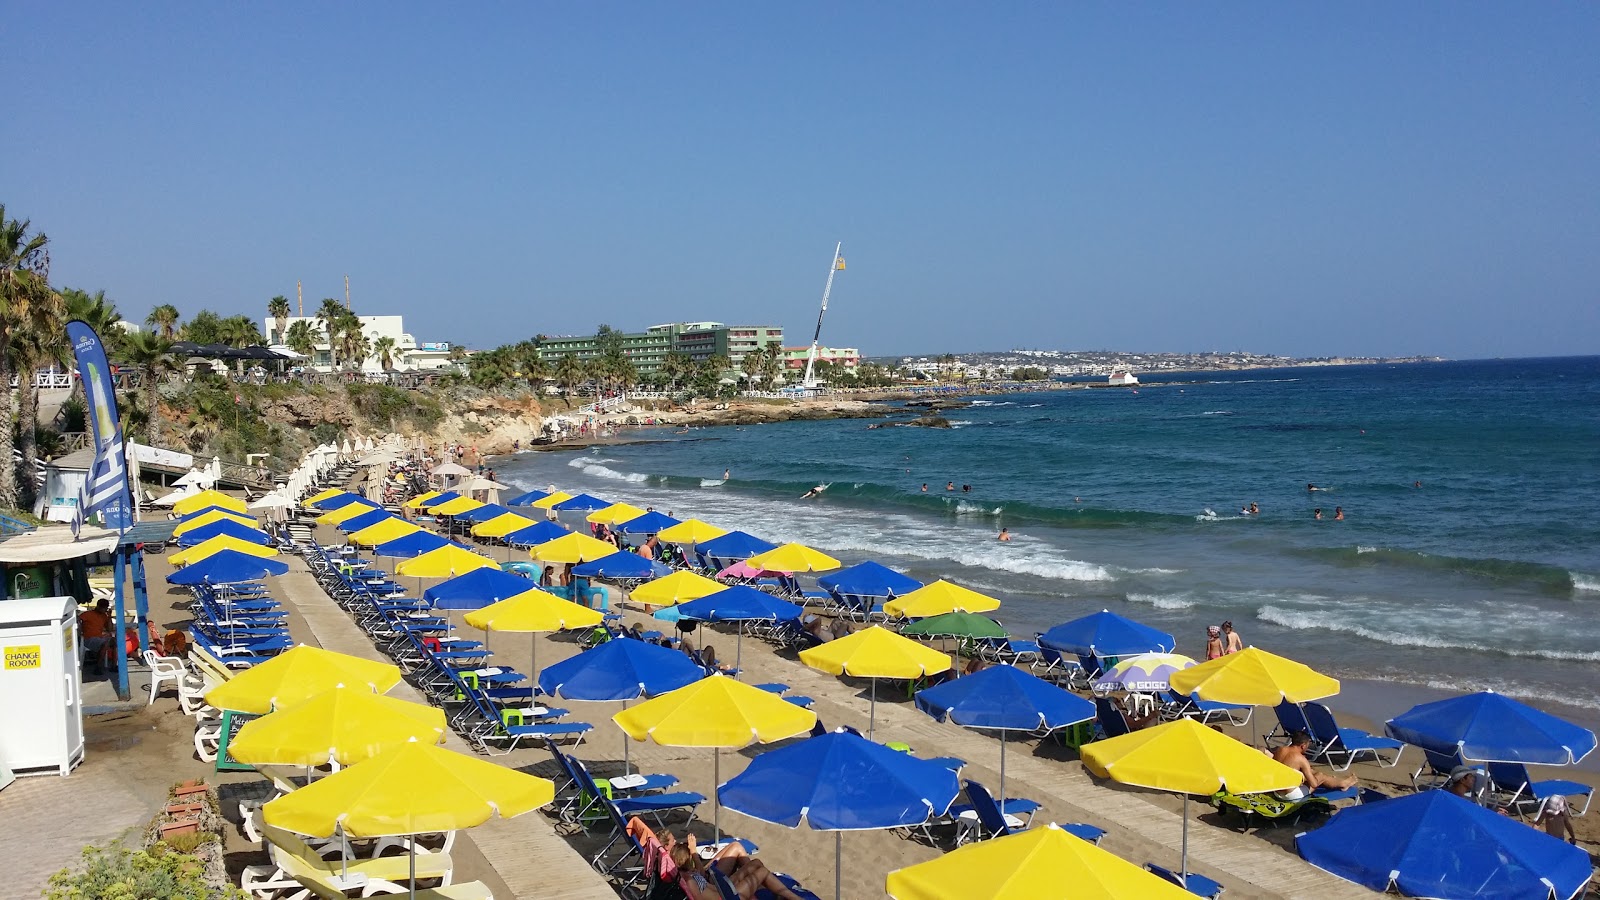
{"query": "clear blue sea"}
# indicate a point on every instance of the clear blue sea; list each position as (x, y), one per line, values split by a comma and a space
(1485, 576)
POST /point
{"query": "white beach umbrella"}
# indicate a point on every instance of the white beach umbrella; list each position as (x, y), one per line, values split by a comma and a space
(451, 469)
(172, 498)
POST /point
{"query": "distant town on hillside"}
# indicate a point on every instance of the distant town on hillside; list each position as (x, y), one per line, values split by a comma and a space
(1090, 363)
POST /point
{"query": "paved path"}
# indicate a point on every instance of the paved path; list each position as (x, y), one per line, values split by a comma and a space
(46, 820)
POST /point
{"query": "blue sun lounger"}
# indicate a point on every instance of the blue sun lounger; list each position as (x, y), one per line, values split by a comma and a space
(1348, 744)
(1513, 779)
(1199, 885)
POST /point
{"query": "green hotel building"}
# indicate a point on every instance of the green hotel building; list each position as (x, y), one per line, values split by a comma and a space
(648, 349)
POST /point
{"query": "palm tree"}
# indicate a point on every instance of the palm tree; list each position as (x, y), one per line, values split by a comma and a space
(240, 331)
(354, 346)
(38, 341)
(205, 421)
(24, 281)
(383, 350)
(772, 364)
(330, 315)
(303, 337)
(752, 366)
(677, 366)
(570, 372)
(164, 318)
(151, 355)
(278, 309)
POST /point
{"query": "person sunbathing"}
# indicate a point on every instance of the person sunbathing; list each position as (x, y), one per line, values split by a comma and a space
(1293, 755)
(746, 873)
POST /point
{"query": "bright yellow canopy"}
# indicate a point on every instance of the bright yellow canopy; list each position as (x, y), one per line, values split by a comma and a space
(216, 545)
(1038, 864)
(715, 712)
(1255, 677)
(793, 558)
(615, 514)
(383, 532)
(455, 507)
(411, 789)
(445, 562)
(208, 498)
(421, 500)
(551, 500)
(1189, 758)
(875, 652)
(347, 511)
(502, 525)
(311, 501)
(297, 675)
(346, 725)
(691, 531)
(215, 515)
(573, 548)
(679, 587)
(939, 598)
(534, 611)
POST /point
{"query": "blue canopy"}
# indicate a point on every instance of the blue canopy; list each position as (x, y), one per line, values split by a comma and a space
(536, 534)
(1490, 727)
(649, 523)
(1004, 697)
(356, 523)
(1106, 634)
(477, 589)
(840, 782)
(739, 604)
(527, 499)
(340, 501)
(440, 500)
(735, 545)
(868, 579)
(581, 503)
(622, 564)
(200, 512)
(482, 514)
(622, 669)
(1435, 844)
(414, 544)
(227, 567)
(223, 528)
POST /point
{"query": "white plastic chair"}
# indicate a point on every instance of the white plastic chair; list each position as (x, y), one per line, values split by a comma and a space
(164, 668)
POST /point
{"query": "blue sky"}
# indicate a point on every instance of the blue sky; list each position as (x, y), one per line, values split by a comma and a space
(1361, 178)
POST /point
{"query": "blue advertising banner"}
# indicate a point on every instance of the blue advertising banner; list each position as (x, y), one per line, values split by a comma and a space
(108, 492)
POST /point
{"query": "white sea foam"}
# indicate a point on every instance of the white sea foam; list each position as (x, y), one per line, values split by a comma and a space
(595, 470)
(1154, 571)
(1300, 620)
(1583, 582)
(1366, 549)
(711, 482)
(963, 508)
(1163, 601)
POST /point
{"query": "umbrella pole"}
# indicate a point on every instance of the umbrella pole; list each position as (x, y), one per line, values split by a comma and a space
(626, 768)
(413, 865)
(872, 713)
(716, 799)
(534, 678)
(1002, 796)
(838, 857)
(1183, 870)
(344, 855)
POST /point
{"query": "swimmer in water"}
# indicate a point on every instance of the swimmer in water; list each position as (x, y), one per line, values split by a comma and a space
(1317, 514)
(1254, 509)
(950, 485)
(924, 485)
(814, 492)
(1338, 514)
(1311, 488)
(726, 474)
(1005, 534)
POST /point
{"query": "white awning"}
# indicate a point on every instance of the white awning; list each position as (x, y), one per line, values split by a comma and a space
(53, 543)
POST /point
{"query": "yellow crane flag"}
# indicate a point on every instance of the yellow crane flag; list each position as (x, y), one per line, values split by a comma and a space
(839, 263)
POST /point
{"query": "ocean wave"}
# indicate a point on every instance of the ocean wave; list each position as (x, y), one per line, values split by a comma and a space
(1554, 579)
(596, 470)
(1323, 620)
(1163, 601)
(963, 508)
(712, 482)
(1462, 684)
(1583, 582)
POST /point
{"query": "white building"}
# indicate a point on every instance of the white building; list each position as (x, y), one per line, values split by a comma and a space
(408, 355)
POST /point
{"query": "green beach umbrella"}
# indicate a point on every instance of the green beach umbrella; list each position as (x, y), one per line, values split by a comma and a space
(957, 625)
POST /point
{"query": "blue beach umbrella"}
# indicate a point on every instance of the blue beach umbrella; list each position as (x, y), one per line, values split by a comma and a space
(734, 546)
(623, 564)
(649, 523)
(1435, 844)
(840, 782)
(227, 567)
(740, 603)
(527, 499)
(477, 589)
(536, 534)
(340, 501)
(441, 500)
(581, 503)
(1105, 634)
(1490, 727)
(356, 523)
(1004, 698)
(412, 545)
(223, 527)
(868, 579)
(482, 514)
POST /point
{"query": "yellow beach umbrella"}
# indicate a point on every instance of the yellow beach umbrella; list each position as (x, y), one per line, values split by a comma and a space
(216, 545)
(502, 525)
(1036, 864)
(551, 500)
(343, 725)
(383, 532)
(347, 511)
(691, 531)
(446, 562)
(532, 612)
(679, 587)
(311, 501)
(421, 500)
(717, 712)
(875, 653)
(215, 515)
(208, 498)
(939, 598)
(793, 558)
(455, 507)
(1254, 677)
(615, 514)
(573, 548)
(1189, 758)
(297, 675)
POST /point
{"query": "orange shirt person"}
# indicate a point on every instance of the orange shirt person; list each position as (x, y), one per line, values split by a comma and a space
(95, 623)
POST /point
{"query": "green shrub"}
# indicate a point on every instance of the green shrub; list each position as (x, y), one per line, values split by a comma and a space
(117, 873)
